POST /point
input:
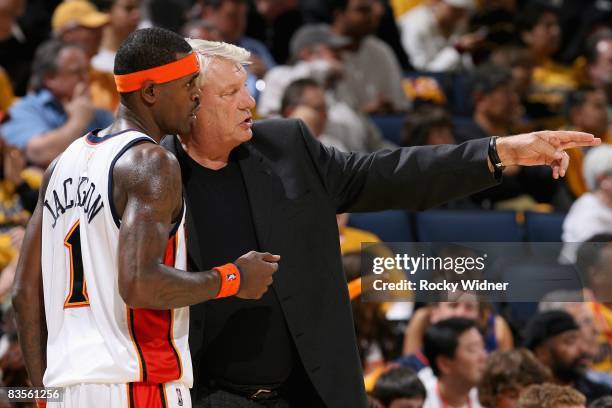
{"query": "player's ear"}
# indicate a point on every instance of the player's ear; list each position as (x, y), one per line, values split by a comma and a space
(149, 92)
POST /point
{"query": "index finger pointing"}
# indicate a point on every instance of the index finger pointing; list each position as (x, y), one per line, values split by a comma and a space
(569, 138)
(568, 145)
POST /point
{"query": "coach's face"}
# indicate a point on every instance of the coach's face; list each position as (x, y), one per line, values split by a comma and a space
(225, 115)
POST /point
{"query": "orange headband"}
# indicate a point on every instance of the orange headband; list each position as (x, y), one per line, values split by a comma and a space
(162, 74)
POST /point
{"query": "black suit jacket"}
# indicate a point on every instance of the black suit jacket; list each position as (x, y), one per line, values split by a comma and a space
(295, 187)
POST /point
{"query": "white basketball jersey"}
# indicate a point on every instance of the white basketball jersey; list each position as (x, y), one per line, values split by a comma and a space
(93, 336)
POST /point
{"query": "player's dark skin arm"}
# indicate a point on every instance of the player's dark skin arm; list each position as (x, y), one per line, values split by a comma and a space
(27, 294)
(148, 197)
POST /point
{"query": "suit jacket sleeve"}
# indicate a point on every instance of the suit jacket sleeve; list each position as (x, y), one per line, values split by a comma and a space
(413, 178)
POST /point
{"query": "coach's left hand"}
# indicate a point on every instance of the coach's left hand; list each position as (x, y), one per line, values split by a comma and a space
(546, 147)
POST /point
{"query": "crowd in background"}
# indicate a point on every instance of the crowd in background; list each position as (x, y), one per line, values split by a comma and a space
(366, 75)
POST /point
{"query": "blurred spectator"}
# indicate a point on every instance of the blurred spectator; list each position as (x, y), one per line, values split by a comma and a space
(587, 113)
(506, 376)
(19, 187)
(591, 214)
(315, 49)
(536, 114)
(580, 311)
(431, 36)
(579, 19)
(305, 99)
(594, 260)
(521, 63)
(124, 18)
(79, 22)
(373, 77)
(273, 22)
(388, 31)
(427, 125)
(201, 30)
(554, 337)
(59, 109)
(18, 196)
(496, 104)
(599, 59)
(496, 110)
(230, 18)
(496, 331)
(495, 19)
(322, 11)
(538, 27)
(376, 340)
(584, 313)
(455, 350)
(399, 387)
(23, 26)
(551, 396)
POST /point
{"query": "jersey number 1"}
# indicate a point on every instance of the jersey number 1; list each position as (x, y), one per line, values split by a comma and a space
(77, 295)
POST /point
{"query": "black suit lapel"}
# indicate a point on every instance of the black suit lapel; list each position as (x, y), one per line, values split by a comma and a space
(264, 190)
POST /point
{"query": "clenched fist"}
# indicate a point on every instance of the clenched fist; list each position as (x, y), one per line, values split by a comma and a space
(256, 270)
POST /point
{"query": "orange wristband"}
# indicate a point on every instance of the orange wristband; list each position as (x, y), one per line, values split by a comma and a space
(230, 280)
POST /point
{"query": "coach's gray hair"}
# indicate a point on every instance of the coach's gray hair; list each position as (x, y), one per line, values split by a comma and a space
(208, 50)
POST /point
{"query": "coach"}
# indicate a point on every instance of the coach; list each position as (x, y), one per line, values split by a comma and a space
(271, 186)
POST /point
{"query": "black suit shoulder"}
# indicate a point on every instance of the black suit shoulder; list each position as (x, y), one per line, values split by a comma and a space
(281, 132)
(265, 126)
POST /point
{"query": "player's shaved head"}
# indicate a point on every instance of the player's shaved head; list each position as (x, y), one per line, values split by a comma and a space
(149, 48)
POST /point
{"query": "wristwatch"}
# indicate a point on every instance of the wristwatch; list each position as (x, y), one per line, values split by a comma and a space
(498, 166)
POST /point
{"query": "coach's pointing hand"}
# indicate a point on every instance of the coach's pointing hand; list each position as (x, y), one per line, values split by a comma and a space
(546, 147)
(256, 273)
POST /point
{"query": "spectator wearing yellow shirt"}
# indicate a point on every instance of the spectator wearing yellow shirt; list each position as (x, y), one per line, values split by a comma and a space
(538, 28)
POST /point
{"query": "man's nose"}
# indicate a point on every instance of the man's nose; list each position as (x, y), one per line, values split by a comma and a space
(246, 100)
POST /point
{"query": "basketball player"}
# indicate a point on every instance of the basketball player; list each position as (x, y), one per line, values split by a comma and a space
(105, 248)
